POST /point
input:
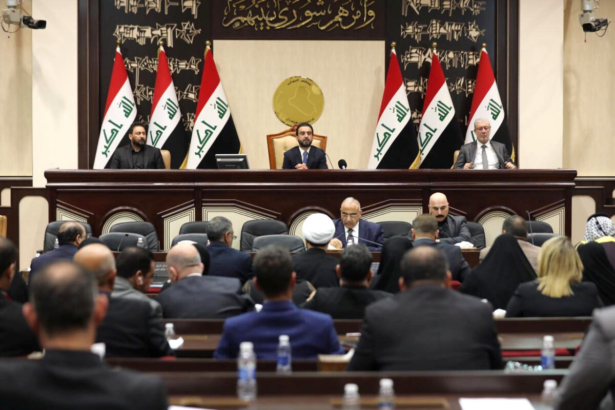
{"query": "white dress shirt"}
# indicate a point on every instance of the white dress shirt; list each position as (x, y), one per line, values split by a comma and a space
(355, 233)
(492, 158)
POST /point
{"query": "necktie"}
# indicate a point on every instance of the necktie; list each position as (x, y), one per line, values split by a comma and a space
(350, 240)
(305, 154)
(485, 161)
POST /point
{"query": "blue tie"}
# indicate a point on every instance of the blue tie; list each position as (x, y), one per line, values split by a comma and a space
(305, 154)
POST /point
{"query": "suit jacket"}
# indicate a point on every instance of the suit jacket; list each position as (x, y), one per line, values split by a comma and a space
(316, 158)
(64, 252)
(455, 231)
(122, 158)
(301, 293)
(428, 328)
(190, 298)
(132, 329)
(76, 380)
(229, 262)
(367, 230)
(310, 333)
(467, 153)
(316, 267)
(457, 263)
(346, 302)
(123, 289)
(16, 338)
(531, 252)
(216, 284)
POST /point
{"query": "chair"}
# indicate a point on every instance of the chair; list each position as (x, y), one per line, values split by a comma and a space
(166, 158)
(118, 241)
(3, 226)
(254, 229)
(51, 233)
(194, 237)
(538, 227)
(539, 239)
(395, 228)
(278, 144)
(478, 234)
(292, 243)
(455, 157)
(194, 227)
(142, 228)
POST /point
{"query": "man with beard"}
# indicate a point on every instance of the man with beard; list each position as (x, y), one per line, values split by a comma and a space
(137, 155)
(305, 156)
(453, 229)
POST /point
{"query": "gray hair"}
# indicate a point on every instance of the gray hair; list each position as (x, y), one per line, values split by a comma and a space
(481, 120)
(217, 227)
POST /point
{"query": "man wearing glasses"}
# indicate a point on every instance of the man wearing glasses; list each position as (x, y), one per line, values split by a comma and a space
(137, 154)
(483, 153)
(352, 230)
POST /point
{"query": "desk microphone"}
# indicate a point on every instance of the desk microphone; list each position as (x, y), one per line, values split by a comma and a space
(342, 164)
(330, 162)
(119, 247)
(372, 242)
(530, 223)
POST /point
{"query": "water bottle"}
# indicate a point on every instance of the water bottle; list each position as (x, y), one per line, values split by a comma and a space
(386, 397)
(284, 356)
(548, 392)
(246, 369)
(169, 331)
(140, 243)
(352, 400)
(56, 244)
(547, 356)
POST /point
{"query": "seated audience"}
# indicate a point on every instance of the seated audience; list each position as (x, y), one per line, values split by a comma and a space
(453, 229)
(500, 274)
(598, 270)
(425, 233)
(314, 265)
(558, 290)
(351, 229)
(353, 296)
(427, 326)
(310, 333)
(515, 226)
(226, 261)
(16, 338)
(64, 311)
(70, 235)
(191, 297)
(389, 270)
(600, 228)
(135, 272)
(130, 328)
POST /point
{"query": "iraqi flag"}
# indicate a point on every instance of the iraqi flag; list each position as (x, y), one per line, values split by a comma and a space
(120, 113)
(439, 132)
(395, 145)
(214, 131)
(487, 104)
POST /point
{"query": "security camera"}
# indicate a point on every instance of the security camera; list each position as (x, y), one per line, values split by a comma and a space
(13, 16)
(589, 21)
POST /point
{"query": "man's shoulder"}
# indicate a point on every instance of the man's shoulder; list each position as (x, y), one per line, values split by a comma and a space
(458, 218)
(241, 322)
(525, 245)
(497, 145)
(290, 151)
(316, 317)
(467, 146)
(371, 225)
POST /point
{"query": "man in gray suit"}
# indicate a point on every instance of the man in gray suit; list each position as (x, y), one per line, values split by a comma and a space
(492, 155)
(453, 229)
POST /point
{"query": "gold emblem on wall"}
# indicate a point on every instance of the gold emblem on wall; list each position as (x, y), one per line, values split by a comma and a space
(297, 100)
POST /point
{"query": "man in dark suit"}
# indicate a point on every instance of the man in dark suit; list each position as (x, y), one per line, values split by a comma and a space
(425, 232)
(16, 338)
(226, 261)
(351, 229)
(310, 333)
(453, 229)
(305, 156)
(137, 154)
(70, 236)
(427, 326)
(64, 310)
(314, 265)
(190, 297)
(353, 296)
(131, 328)
(491, 155)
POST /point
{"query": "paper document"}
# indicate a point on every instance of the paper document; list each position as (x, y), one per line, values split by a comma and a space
(499, 404)
(176, 343)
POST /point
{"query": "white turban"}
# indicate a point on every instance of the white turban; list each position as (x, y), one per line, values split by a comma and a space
(318, 229)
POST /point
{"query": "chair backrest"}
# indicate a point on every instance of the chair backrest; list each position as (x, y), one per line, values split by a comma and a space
(538, 227)
(254, 229)
(118, 241)
(194, 237)
(278, 144)
(3, 226)
(142, 228)
(478, 234)
(395, 228)
(166, 158)
(539, 239)
(292, 243)
(194, 227)
(455, 156)
(51, 233)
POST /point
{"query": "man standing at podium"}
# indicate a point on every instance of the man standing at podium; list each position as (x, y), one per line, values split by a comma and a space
(305, 156)
(137, 154)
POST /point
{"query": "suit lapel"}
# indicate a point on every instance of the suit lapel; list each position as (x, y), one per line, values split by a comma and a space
(129, 150)
(473, 149)
(299, 155)
(342, 234)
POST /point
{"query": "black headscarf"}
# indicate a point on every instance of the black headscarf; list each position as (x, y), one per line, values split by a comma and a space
(389, 271)
(499, 275)
(598, 269)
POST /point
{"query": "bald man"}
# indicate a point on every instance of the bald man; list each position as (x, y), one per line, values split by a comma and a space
(130, 328)
(453, 229)
(351, 229)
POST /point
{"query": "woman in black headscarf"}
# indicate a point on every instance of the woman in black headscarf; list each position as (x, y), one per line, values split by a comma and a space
(387, 277)
(500, 273)
(598, 269)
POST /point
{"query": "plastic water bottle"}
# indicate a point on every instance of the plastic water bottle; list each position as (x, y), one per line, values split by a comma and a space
(140, 243)
(548, 391)
(246, 369)
(352, 400)
(547, 356)
(169, 331)
(284, 355)
(56, 244)
(386, 397)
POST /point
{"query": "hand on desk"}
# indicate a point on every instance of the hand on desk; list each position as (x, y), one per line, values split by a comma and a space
(336, 243)
(301, 166)
(509, 165)
(468, 165)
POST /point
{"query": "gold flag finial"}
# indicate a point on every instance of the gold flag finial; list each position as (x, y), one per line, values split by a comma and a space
(393, 44)
(434, 46)
(161, 42)
(118, 43)
(484, 45)
(208, 43)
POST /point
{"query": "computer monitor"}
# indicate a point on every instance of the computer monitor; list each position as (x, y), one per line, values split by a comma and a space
(232, 161)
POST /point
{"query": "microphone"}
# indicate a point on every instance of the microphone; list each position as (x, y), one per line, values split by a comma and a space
(119, 247)
(331, 162)
(372, 242)
(529, 220)
(342, 164)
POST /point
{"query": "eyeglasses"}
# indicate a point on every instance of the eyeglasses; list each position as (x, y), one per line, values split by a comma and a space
(351, 216)
(487, 128)
(139, 133)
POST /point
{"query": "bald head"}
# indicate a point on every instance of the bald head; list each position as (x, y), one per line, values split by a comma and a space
(438, 206)
(424, 263)
(350, 212)
(99, 260)
(182, 260)
(71, 233)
